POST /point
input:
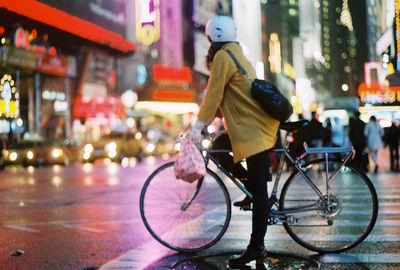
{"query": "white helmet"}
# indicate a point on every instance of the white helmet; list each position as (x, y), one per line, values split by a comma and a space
(221, 29)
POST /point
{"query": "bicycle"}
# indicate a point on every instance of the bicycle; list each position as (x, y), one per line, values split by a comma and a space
(317, 204)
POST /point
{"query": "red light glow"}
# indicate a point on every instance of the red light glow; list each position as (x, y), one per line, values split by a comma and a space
(95, 107)
(169, 73)
(172, 95)
(34, 34)
(52, 51)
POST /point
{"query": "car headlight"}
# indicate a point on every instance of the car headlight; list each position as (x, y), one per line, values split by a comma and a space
(88, 148)
(150, 147)
(110, 147)
(13, 156)
(112, 153)
(138, 136)
(29, 155)
(56, 153)
(86, 155)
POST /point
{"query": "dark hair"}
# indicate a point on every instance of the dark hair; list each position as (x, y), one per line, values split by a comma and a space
(373, 118)
(214, 48)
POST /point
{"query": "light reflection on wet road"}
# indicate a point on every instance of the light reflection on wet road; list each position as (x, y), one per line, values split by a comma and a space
(71, 217)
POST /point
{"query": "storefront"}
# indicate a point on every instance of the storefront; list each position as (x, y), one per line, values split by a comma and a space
(41, 76)
(55, 52)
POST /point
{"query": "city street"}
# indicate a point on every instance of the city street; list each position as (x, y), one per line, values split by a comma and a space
(87, 217)
(94, 94)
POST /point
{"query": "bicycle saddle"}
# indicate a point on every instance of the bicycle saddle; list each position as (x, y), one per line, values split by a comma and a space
(292, 126)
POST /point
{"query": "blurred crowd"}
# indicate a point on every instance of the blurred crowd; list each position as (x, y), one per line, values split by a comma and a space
(366, 138)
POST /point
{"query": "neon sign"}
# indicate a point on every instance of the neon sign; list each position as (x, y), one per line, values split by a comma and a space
(171, 75)
(376, 93)
(168, 95)
(23, 39)
(9, 104)
(147, 21)
(372, 72)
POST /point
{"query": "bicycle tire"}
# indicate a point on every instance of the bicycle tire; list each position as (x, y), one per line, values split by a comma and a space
(346, 224)
(198, 227)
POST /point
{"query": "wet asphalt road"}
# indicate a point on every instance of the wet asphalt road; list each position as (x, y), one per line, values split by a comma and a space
(87, 217)
(77, 217)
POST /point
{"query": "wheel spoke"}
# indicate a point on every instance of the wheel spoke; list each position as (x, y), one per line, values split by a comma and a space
(194, 228)
(337, 224)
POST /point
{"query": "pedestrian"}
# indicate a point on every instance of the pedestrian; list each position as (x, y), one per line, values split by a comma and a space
(374, 133)
(327, 133)
(358, 140)
(251, 131)
(392, 136)
(315, 130)
(337, 133)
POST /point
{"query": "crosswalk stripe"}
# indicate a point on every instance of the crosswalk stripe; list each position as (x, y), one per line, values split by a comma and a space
(348, 197)
(238, 220)
(361, 258)
(273, 236)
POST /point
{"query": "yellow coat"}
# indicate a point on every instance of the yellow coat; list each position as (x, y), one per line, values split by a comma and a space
(250, 129)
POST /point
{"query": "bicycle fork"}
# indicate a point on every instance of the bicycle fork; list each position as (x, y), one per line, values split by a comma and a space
(186, 205)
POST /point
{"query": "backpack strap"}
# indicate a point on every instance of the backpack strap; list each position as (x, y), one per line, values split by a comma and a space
(239, 65)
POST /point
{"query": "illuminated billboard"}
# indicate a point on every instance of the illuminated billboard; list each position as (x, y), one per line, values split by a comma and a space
(147, 14)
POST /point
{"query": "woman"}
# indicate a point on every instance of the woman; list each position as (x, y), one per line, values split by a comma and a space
(374, 133)
(251, 131)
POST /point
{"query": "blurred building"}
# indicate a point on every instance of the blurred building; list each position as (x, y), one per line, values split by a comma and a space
(343, 32)
(59, 61)
(379, 93)
(290, 36)
(315, 49)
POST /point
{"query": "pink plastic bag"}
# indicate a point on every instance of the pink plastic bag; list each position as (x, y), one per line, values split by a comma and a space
(189, 165)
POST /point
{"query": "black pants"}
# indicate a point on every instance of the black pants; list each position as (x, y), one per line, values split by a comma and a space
(257, 174)
(361, 157)
(258, 170)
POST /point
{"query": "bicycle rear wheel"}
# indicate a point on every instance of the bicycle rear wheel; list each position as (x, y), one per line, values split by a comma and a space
(338, 221)
(182, 216)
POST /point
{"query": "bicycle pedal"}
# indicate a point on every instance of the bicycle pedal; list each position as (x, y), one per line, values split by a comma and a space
(246, 207)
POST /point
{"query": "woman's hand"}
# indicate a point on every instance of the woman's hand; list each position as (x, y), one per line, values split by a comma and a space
(195, 136)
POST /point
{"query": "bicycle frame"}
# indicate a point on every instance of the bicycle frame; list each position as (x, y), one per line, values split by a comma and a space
(315, 208)
(296, 162)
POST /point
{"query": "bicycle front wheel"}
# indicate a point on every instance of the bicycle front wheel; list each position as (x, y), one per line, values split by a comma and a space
(339, 219)
(182, 216)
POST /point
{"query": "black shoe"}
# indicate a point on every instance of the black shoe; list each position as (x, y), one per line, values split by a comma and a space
(243, 203)
(252, 253)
